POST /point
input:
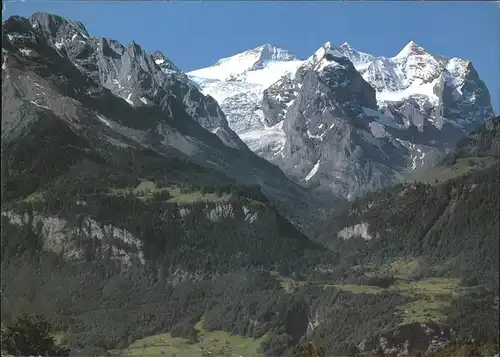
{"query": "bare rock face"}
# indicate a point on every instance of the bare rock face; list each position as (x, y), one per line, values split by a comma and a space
(329, 140)
(277, 99)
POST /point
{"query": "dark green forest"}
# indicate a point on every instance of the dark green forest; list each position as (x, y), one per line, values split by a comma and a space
(455, 222)
(193, 267)
(102, 305)
(220, 270)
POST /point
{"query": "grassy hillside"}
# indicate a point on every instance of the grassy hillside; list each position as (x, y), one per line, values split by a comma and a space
(206, 342)
(362, 290)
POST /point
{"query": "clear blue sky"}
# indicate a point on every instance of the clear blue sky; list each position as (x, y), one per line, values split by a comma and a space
(195, 34)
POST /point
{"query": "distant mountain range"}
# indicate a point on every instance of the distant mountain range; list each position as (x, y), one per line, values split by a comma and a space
(344, 120)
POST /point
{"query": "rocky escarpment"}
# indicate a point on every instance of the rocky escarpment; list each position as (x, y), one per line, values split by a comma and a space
(277, 99)
(129, 72)
(83, 232)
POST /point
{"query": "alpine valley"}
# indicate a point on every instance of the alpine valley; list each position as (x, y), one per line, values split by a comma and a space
(263, 206)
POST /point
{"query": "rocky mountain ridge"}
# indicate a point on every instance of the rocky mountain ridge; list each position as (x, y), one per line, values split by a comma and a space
(175, 116)
(397, 114)
(451, 86)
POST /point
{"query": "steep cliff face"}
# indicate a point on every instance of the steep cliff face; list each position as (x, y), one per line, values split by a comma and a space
(326, 128)
(230, 233)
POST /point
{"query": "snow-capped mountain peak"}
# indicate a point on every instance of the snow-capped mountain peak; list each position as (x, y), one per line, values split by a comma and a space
(255, 59)
(328, 48)
(411, 48)
(359, 59)
(412, 72)
(263, 53)
(238, 83)
(270, 52)
(303, 115)
(327, 55)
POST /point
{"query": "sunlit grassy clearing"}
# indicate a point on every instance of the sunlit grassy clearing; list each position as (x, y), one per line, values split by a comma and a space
(165, 345)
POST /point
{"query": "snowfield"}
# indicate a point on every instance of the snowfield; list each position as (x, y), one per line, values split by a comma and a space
(237, 83)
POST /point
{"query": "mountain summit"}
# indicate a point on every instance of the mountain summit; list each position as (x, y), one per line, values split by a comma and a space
(268, 53)
(410, 49)
(254, 59)
(355, 56)
(238, 83)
